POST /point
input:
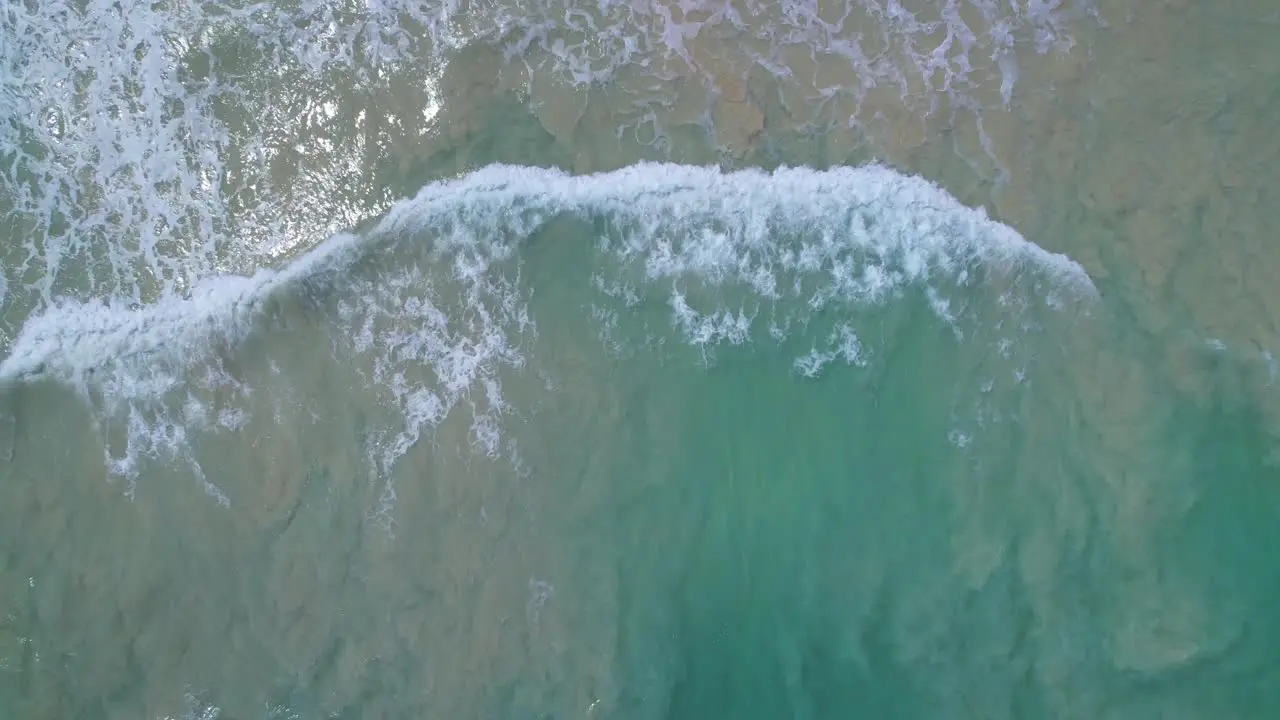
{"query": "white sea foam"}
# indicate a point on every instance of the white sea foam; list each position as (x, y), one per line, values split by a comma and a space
(850, 63)
(727, 250)
(590, 42)
(71, 340)
(134, 161)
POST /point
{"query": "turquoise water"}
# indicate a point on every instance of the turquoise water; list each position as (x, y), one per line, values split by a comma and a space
(542, 360)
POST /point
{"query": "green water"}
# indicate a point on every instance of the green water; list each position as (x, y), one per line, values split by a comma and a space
(1056, 504)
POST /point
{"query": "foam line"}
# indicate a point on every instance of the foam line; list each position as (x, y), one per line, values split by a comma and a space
(915, 222)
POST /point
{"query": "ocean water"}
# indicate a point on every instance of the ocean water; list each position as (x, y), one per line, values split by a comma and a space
(644, 359)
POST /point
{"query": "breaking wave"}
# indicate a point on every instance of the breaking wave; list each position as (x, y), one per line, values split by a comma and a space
(431, 296)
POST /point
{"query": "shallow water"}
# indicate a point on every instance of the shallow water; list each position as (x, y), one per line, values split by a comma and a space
(638, 360)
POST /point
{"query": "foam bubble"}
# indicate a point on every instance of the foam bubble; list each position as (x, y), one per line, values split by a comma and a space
(426, 294)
